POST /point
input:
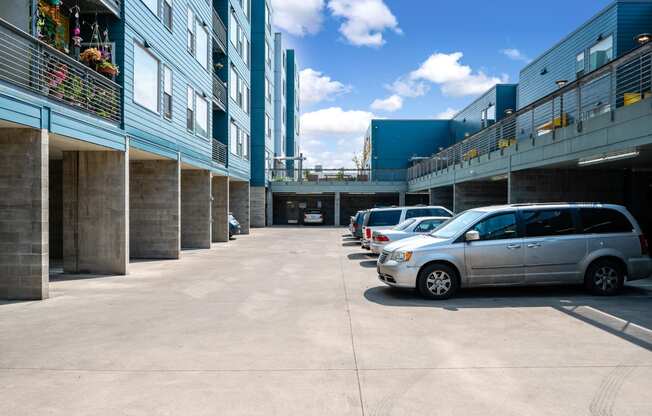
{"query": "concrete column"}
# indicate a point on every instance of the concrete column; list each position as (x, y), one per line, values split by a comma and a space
(571, 185)
(220, 191)
(258, 197)
(338, 210)
(154, 209)
(24, 256)
(239, 203)
(475, 194)
(442, 196)
(96, 212)
(401, 199)
(196, 220)
(270, 207)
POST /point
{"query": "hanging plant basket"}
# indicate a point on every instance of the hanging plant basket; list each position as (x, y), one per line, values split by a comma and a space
(90, 56)
(107, 68)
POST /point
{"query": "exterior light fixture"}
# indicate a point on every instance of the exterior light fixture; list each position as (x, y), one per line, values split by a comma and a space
(147, 45)
(600, 37)
(561, 83)
(608, 157)
(509, 112)
(643, 38)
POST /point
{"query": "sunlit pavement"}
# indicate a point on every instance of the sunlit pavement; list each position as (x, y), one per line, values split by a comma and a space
(293, 321)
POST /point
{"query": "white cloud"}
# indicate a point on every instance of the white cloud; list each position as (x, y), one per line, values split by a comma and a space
(332, 154)
(335, 121)
(447, 114)
(364, 20)
(515, 55)
(390, 104)
(406, 87)
(455, 79)
(316, 87)
(298, 17)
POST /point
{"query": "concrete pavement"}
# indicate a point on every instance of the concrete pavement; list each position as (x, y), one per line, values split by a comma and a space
(290, 321)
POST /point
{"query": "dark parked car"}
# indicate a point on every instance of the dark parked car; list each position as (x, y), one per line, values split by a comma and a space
(356, 224)
(234, 226)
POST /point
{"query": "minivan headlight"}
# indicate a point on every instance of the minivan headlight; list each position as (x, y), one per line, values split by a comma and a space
(402, 256)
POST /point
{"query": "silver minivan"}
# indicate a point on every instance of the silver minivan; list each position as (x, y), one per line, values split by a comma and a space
(599, 245)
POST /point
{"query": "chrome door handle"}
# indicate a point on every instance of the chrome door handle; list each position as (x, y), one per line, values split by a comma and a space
(534, 245)
(513, 246)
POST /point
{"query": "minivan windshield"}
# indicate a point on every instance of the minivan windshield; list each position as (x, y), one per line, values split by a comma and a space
(405, 224)
(457, 224)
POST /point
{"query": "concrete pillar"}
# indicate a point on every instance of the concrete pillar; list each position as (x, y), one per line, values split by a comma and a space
(258, 197)
(95, 212)
(569, 185)
(401, 199)
(196, 220)
(239, 203)
(220, 212)
(475, 194)
(270, 207)
(338, 210)
(442, 196)
(24, 256)
(154, 209)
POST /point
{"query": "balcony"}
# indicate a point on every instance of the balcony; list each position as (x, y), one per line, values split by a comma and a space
(35, 66)
(219, 153)
(219, 31)
(337, 175)
(219, 93)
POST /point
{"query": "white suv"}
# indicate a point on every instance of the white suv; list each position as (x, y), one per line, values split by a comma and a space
(386, 218)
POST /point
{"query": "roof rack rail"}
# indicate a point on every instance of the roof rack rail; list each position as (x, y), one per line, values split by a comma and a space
(554, 203)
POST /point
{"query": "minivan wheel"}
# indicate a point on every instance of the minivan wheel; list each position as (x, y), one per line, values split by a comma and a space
(605, 277)
(438, 281)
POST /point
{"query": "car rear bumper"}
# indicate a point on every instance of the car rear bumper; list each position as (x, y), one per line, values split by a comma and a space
(639, 268)
(310, 221)
(397, 274)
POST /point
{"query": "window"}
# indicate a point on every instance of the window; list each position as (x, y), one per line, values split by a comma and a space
(268, 89)
(579, 64)
(233, 29)
(491, 114)
(167, 13)
(233, 84)
(427, 226)
(604, 221)
(190, 110)
(601, 53)
(201, 115)
(246, 49)
(202, 45)
(426, 212)
(146, 78)
(498, 227)
(543, 223)
(245, 145)
(268, 54)
(268, 127)
(405, 224)
(152, 5)
(233, 140)
(245, 98)
(384, 218)
(167, 92)
(245, 7)
(268, 19)
(190, 29)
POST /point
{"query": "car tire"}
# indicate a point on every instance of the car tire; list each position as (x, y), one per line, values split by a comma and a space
(605, 277)
(438, 281)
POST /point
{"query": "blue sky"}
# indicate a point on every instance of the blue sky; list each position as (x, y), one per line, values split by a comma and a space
(408, 58)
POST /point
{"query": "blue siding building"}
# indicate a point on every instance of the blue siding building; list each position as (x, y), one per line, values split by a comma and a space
(486, 110)
(293, 111)
(280, 100)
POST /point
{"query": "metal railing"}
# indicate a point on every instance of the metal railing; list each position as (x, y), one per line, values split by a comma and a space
(219, 30)
(35, 66)
(622, 82)
(336, 175)
(219, 152)
(219, 92)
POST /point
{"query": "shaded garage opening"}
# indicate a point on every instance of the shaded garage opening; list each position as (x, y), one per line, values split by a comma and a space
(417, 199)
(352, 203)
(289, 208)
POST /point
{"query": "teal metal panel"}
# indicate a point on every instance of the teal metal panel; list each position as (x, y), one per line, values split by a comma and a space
(16, 110)
(292, 108)
(468, 121)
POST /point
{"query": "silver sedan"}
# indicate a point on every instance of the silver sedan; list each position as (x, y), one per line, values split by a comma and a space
(406, 229)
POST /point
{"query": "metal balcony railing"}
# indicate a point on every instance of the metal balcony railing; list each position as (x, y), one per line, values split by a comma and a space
(336, 175)
(30, 64)
(622, 82)
(219, 92)
(219, 31)
(219, 152)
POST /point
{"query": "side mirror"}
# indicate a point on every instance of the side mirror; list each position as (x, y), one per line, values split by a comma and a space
(472, 236)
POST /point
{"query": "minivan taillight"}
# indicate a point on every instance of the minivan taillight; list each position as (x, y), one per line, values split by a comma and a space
(367, 233)
(645, 249)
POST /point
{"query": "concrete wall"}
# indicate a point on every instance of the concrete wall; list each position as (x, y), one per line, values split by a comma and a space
(475, 194)
(239, 203)
(56, 209)
(258, 198)
(96, 212)
(442, 196)
(154, 208)
(196, 220)
(572, 185)
(220, 209)
(24, 257)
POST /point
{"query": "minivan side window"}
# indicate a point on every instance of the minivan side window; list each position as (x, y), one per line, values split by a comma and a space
(427, 226)
(498, 227)
(384, 218)
(426, 212)
(547, 223)
(604, 221)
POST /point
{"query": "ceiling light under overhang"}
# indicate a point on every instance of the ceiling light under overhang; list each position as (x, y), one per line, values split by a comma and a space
(608, 157)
